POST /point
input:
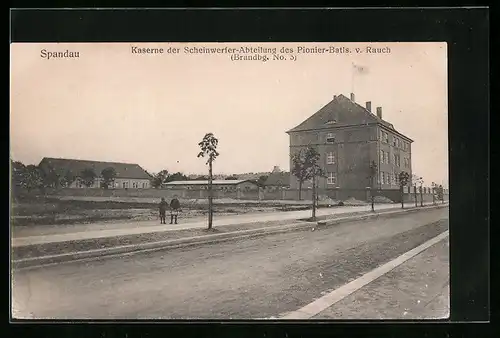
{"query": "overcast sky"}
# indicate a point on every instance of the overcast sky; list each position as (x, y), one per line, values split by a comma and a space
(112, 105)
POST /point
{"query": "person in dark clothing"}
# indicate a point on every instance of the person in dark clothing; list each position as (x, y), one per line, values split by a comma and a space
(163, 210)
(175, 205)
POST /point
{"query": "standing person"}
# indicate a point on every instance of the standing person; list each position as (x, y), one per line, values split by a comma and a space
(175, 205)
(163, 210)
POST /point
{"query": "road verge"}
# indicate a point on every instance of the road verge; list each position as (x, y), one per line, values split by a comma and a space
(47, 258)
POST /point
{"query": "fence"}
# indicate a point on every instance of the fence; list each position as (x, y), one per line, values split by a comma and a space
(261, 194)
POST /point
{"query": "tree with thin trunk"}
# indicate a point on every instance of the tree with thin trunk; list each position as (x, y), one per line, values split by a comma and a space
(157, 180)
(67, 179)
(300, 168)
(404, 179)
(208, 148)
(51, 177)
(108, 177)
(26, 177)
(88, 177)
(313, 171)
(373, 170)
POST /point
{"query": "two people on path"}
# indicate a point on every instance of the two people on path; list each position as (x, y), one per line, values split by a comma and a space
(175, 205)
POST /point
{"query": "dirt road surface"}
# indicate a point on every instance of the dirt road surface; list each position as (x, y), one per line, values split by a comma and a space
(251, 278)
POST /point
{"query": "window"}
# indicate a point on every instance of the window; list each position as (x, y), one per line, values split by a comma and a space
(384, 156)
(79, 184)
(125, 185)
(330, 138)
(134, 185)
(393, 141)
(386, 137)
(330, 158)
(331, 179)
(331, 122)
(382, 178)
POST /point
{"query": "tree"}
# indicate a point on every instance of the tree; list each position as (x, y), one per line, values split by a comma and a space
(178, 176)
(88, 177)
(68, 178)
(50, 177)
(233, 177)
(305, 167)
(18, 170)
(108, 177)
(201, 178)
(157, 180)
(373, 172)
(26, 177)
(440, 193)
(33, 178)
(262, 180)
(208, 148)
(300, 168)
(314, 171)
(404, 180)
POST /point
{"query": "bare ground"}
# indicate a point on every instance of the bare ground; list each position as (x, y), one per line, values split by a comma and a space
(256, 278)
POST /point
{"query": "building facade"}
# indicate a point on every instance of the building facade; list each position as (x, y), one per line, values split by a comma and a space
(349, 137)
(128, 175)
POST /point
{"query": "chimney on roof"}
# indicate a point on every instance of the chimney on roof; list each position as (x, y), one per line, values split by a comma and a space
(352, 97)
(334, 97)
(369, 106)
(379, 112)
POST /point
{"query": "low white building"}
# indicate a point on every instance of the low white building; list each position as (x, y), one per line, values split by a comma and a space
(216, 185)
(128, 175)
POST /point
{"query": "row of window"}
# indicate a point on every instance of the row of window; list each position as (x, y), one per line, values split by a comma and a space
(389, 178)
(125, 185)
(330, 158)
(396, 142)
(396, 159)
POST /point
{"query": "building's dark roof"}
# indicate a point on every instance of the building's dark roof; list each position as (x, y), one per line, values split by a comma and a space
(280, 179)
(214, 182)
(345, 113)
(123, 170)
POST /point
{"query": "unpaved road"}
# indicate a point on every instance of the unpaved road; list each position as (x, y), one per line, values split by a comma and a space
(251, 278)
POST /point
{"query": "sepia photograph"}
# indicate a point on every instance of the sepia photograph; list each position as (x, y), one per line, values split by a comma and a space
(229, 181)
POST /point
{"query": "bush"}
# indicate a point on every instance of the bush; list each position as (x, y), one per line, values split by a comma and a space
(340, 204)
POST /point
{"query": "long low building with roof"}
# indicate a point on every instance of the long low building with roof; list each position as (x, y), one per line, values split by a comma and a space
(216, 184)
(128, 175)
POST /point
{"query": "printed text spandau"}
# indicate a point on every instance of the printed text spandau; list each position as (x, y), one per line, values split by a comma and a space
(65, 54)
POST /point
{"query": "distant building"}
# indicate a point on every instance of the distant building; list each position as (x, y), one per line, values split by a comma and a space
(278, 179)
(348, 138)
(216, 184)
(252, 176)
(128, 175)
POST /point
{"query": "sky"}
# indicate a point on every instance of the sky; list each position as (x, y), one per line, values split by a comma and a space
(110, 104)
